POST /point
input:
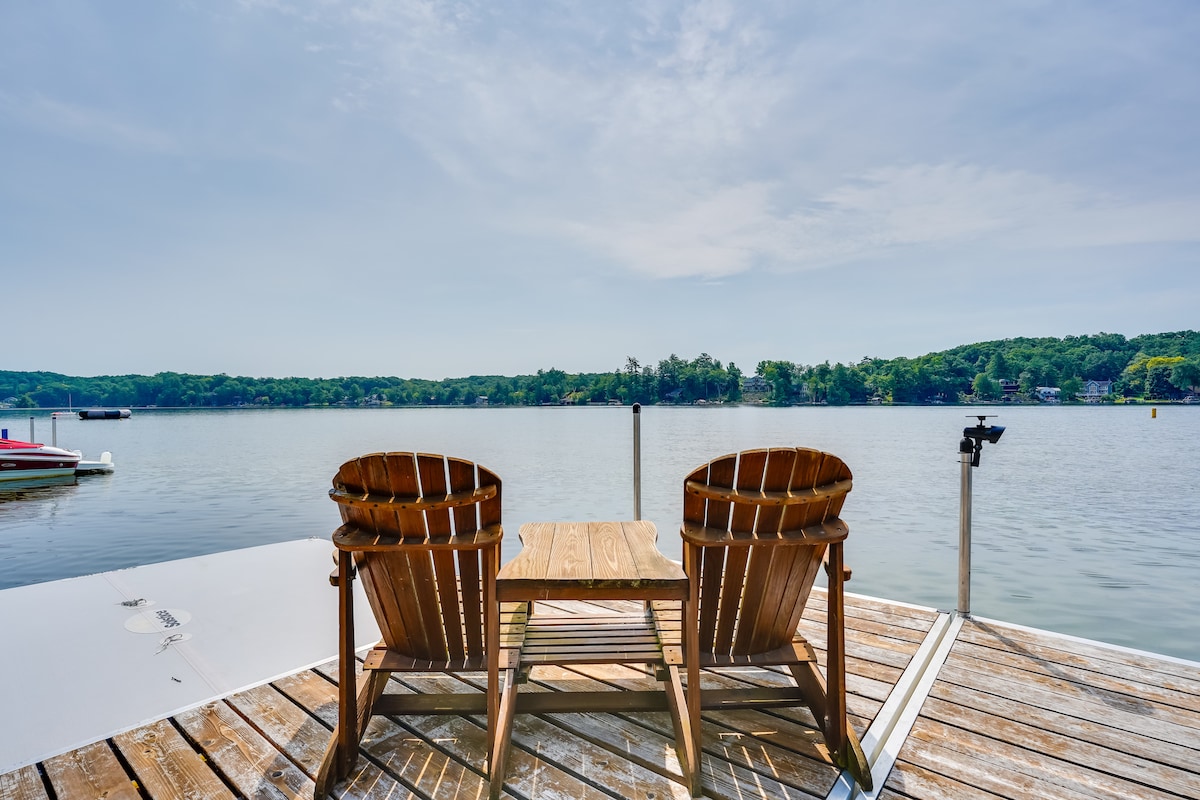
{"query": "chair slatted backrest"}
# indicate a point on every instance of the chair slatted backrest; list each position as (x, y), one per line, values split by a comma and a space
(761, 522)
(419, 526)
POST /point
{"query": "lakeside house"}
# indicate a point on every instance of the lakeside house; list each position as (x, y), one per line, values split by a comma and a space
(1048, 394)
(1094, 391)
(756, 384)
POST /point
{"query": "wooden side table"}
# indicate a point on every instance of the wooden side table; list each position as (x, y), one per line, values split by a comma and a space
(593, 561)
(590, 561)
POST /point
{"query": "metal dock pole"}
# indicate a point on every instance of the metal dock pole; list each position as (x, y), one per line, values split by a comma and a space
(637, 460)
(965, 453)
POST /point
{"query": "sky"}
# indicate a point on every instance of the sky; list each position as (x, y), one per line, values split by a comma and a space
(277, 188)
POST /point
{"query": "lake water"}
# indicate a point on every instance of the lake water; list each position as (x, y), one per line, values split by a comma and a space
(1085, 520)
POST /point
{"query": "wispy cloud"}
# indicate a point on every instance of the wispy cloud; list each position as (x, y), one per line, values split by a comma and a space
(1010, 209)
(727, 230)
(97, 126)
(659, 137)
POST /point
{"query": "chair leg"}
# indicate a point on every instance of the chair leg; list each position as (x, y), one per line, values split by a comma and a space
(686, 744)
(327, 773)
(340, 757)
(828, 701)
(854, 760)
(835, 648)
(501, 741)
(691, 658)
(843, 741)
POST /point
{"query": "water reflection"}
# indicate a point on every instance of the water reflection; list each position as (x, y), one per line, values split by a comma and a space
(37, 488)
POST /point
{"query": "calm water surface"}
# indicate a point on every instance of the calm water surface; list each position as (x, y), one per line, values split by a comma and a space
(1085, 519)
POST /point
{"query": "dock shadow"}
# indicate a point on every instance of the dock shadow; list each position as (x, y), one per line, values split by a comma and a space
(1116, 700)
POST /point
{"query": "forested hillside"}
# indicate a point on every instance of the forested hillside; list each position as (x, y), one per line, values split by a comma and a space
(1162, 366)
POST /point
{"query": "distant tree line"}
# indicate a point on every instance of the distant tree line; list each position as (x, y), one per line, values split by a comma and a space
(1161, 366)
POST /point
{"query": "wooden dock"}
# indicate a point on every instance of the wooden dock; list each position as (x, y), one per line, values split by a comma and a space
(946, 708)
(1015, 712)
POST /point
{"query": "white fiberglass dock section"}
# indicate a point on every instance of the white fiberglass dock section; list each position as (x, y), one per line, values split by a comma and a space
(88, 657)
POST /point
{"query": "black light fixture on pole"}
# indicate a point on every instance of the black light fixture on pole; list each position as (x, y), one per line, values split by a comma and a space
(968, 453)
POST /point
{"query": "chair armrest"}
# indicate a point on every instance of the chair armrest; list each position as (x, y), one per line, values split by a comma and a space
(351, 537)
(388, 502)
(834, 530)
(788, 498)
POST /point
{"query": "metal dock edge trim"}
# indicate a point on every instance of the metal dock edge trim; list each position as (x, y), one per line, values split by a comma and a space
(895, 720)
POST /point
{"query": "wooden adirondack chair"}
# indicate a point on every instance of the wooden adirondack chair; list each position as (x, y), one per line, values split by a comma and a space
(756, 527)
(423, 532)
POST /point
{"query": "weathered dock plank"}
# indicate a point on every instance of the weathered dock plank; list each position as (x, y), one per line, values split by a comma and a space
(549, 761)
(398, 763)
(726, 749)
(1062, 723)
(90, 771)
(292, 730)
(166, 766)
(995, 734)
(24, 783)
(1116, 670)
(1123, 710)
(247, 759)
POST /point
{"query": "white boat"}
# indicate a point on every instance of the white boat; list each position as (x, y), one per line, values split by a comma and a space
(104, 465)
(29, 460)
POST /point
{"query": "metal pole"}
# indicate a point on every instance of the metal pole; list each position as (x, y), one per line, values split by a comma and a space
(54, 430)
(964, 531)
(31, 430)
(637, 460)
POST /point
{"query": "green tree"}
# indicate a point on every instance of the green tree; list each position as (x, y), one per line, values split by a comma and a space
(1158, 377)
(1185, 376)
(998, 368)
(1133, 377)
(985, 387)
(780, 375)
(846, 385)
(635, 382)
(902, 381)
(670, 379)
(733, 391)
(817, 380)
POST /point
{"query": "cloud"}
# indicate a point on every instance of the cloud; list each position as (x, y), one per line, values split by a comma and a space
(725, 230)
(85, 124)
(927, 204)
(707, 139)
(721, 233)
